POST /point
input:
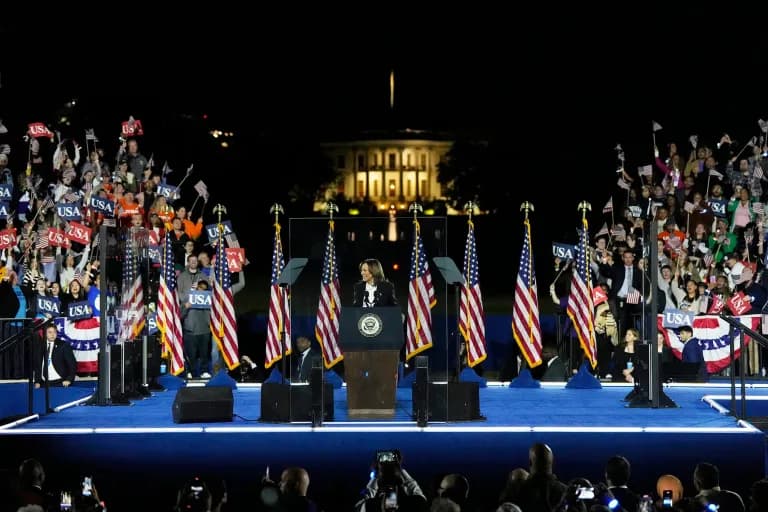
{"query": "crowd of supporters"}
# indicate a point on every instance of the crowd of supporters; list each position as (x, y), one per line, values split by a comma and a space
(707, 205)
(56, 196)
(535, 488)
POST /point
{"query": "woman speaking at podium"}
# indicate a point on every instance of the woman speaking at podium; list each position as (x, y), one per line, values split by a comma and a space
(374, 290)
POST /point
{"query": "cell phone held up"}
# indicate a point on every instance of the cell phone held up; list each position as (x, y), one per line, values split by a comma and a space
(666, 498)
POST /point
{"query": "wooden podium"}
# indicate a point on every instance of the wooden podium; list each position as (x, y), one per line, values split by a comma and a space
(371, 339)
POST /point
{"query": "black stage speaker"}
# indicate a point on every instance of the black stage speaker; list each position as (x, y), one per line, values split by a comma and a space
(285, 402)
(453, 401)
(204, 404)
(420, 391)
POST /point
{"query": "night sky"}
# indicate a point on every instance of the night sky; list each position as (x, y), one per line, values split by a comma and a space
(557, 89)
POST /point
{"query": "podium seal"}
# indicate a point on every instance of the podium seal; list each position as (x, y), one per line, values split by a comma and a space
(370, 325)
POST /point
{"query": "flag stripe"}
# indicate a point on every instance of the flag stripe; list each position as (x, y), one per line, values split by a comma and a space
(329, 306)
(223, 319)
(421, 299)
(279, 306)
(168, 311)
(525, 314)
(471, 312)
(580, 309)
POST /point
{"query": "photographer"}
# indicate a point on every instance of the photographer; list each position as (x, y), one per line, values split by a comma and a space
(391, 487)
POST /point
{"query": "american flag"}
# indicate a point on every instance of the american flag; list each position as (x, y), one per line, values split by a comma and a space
(608, 208)
(279, 308)
(421, 299)
(471, 314)
(329, 307)
(223, 320)
(633, 297)
(580, 308)
(42, 239)
(132, 302)
(525, 315)
(168, 312)
(708, 259)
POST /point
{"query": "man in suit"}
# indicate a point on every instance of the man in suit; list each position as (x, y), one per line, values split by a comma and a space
(54, 360)
(302, 360)
(373, 290)
(706, 479)
(626, 282)
(556, 369)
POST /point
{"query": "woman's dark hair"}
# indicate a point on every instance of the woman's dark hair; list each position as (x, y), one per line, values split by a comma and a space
(375, 268)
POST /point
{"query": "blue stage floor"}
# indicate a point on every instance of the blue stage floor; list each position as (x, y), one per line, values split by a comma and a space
(583, 426)
(548, 407)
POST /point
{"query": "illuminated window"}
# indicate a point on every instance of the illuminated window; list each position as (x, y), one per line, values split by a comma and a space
(409, 185)
(423, 164)
(392, 188)
(375, 188)
(410, 160)
(360, 188)
(392, 157)
(423, 187)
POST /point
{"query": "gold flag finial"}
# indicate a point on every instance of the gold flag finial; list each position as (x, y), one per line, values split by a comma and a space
(330, 208)
(526, 207)
(584, 207)
(277, 209)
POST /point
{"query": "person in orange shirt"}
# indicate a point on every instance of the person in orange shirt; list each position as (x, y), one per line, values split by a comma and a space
(193, 230)
(127, 207)
(162, 209)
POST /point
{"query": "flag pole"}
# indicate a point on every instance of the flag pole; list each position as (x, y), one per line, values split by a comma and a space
(331, 207)
(219, 209)
(416, 208)
(469, 207)
(527, 207)
(277, 209)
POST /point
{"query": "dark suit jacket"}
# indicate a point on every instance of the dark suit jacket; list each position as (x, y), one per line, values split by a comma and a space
(301, 374)
(617, 273)
(62, 357)
(383, 296)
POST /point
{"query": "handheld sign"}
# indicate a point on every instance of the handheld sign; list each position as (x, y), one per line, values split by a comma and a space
(738, 305)
(103, 205)
(563, 251)
(79, 233)
(676, 318)
(79, 310)
(213, 232)
(200, 299)
(168, 191)
(49, 306)
(7, 238)
(718, 207)
(235, 258)
(56, 238)
(69, 211)
(6, 192)
(152, 323)
(5, 210)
